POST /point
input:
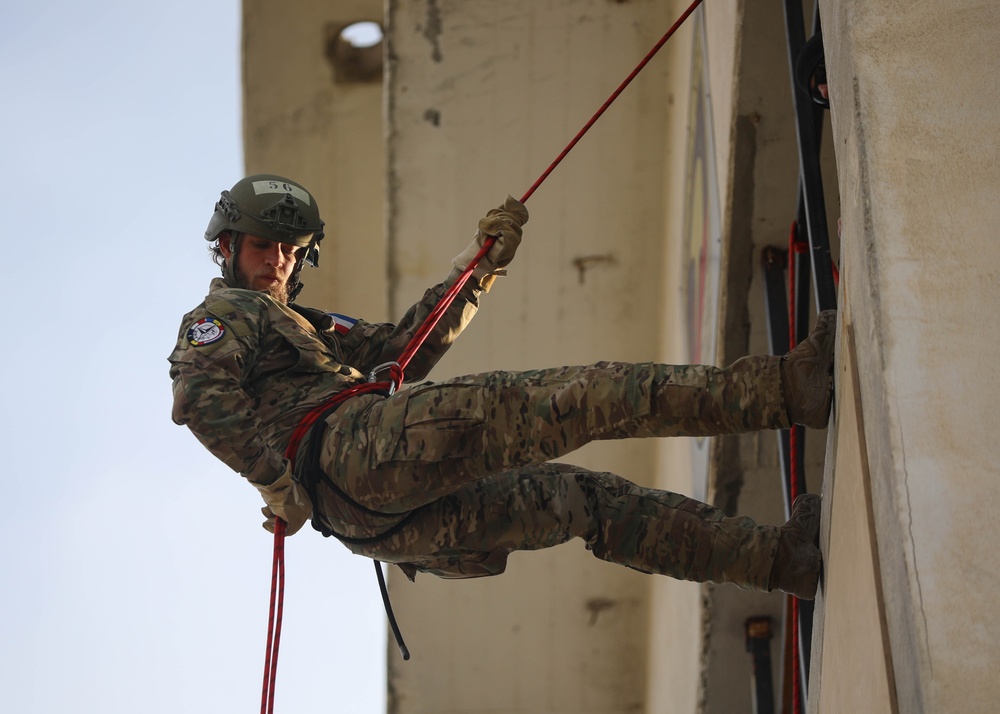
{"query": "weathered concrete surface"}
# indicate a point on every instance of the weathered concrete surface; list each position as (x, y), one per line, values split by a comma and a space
(851, 632)
(299, 122)
(916, 117)
(481, 96)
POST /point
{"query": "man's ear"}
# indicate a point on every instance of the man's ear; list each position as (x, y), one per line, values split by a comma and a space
(225, 244)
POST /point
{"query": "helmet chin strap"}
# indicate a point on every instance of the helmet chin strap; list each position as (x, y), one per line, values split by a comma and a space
(294, 284)
(294, 290)
(229, 264)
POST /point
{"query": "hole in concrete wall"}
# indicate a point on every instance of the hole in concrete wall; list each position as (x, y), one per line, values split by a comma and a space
(355, 51)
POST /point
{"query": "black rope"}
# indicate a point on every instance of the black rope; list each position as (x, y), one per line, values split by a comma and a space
(403, 651)
(310, 477)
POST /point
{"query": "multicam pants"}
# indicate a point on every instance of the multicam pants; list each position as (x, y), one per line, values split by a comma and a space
(451, 477)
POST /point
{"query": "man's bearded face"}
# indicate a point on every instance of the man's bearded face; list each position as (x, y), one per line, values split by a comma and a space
(265, 266)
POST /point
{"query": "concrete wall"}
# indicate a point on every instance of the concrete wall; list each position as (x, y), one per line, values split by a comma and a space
(479, 96)
(300, 121)
(482, 96)
(916, 116)
(760, 201)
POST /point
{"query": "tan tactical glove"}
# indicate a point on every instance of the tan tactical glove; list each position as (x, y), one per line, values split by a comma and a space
(504, 223)
(287, 500)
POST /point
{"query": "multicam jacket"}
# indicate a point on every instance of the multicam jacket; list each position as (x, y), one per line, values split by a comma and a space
(246, 368)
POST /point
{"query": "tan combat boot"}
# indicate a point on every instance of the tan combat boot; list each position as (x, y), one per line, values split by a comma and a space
(807, 375)
(798, 561)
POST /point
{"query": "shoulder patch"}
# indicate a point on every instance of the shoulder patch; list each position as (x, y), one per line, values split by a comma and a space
(206, 331)
(342, 323)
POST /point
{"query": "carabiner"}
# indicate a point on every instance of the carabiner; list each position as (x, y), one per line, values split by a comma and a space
(385, 365)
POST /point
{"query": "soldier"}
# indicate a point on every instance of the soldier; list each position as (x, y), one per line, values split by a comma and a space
(450, 477)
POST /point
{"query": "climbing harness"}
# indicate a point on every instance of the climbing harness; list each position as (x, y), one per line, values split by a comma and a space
(393, 383)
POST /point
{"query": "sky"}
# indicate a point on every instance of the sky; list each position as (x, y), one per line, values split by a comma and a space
(136, 575)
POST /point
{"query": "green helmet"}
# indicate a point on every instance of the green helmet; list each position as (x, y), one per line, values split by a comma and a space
(271, 207)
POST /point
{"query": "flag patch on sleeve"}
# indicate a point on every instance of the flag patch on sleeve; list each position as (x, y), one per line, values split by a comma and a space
(342, 323)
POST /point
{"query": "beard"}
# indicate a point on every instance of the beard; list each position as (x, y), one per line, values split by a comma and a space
(277, 289)
(278, 292)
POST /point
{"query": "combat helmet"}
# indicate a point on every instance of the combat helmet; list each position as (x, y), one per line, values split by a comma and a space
(271, 207)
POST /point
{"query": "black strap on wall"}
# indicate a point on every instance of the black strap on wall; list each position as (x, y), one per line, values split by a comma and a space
(758, 639)
(808, 117)
(816, 269)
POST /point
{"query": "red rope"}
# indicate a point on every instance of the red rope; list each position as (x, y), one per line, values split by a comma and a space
(309, 419)
(278, 564)
(396, 378)
(274, 618)
(431, 322)
(612, 98)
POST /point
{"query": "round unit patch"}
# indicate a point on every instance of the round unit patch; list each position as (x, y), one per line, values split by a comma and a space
(206, 331)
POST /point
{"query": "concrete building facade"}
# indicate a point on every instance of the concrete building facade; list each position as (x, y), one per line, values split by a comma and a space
(645, 244)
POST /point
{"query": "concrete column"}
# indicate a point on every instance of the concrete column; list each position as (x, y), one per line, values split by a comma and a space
(304, 118)
(481, 97)
(915, 91)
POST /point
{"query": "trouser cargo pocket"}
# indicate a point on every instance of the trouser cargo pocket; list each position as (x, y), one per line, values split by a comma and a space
(431, 423)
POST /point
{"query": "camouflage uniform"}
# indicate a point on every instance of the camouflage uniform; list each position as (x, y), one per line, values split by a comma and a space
(451, 477)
